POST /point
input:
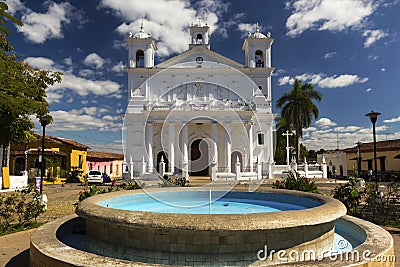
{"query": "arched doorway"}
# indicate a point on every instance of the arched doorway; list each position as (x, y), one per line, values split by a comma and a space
(162, 155)
(199, 163)
(19, 165)
(234, 158)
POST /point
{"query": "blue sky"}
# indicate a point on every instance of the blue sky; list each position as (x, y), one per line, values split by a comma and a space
(349, 50)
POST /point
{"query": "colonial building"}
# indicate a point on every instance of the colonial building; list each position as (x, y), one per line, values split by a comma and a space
(200, 113)
(106, 162)
(62, 156)
(360, 158)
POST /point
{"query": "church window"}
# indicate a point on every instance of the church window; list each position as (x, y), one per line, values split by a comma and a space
(260, 139)
(199, 39)
(259, 57)
(139, 59)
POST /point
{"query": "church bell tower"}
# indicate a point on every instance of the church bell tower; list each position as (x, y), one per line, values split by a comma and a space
(199, 33)
(141, 49)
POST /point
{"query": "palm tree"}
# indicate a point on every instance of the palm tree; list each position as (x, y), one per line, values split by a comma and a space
(297, 107)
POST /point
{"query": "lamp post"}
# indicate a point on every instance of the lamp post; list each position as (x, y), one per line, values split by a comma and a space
(373, 117)
(44, 121)
(359, 157)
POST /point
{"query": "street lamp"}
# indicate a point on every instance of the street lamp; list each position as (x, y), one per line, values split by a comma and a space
(44, 121)
(373, 117)
(359, 158)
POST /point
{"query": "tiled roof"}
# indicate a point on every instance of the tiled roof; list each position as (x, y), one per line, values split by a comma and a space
(59, 140)
(104, 155)
(388, 145)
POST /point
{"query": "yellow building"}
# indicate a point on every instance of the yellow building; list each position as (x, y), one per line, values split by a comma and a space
(62, 157)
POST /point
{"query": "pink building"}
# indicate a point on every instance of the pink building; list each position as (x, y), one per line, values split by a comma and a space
(106, 162)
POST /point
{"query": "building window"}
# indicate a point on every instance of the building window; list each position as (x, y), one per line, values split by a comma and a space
(199, 39)
(91, 166)
(105, 168)
(111, 168)
(382, 163)
(63, 163)
(139, 59)
(117, 170)
(260, 139)
(259, 57)
(80, 161)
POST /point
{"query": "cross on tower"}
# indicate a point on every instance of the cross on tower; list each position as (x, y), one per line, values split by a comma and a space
(287, 134)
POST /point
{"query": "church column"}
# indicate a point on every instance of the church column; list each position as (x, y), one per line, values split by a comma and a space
(171, 133)
(149, 136)
(250, 136)
(185, 162)
(215, 139)
(228, 146)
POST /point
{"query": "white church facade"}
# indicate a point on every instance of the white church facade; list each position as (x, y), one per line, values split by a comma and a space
(199, 113)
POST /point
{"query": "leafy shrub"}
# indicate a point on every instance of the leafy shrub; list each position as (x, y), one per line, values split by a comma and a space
(349, 195)
(75, 175)
(171, 181)
(92, 190)
(20, 208)
(130, 185)
(295, 181)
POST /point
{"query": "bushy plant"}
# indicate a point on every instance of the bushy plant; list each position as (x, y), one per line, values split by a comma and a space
(349, 195)
(75, 175)
(91, 191)
(295, 181)
(130, 185)
(20, 208)
(178, 181)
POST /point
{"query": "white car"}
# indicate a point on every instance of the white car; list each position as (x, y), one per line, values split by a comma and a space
(94, 177)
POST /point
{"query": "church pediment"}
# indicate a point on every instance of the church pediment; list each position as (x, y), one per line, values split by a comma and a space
(199, 55)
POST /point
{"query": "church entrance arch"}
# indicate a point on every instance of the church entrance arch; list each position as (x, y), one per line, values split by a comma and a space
(199, 160)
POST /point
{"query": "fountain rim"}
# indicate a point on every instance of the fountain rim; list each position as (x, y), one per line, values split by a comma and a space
(329, 210)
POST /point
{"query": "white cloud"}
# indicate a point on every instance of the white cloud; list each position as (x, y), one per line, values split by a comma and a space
(340, 81)
(39, 27)
(347, 136)
(383, 69)
(285, 80)
(330, 15)
(94, 60)
(330, 55)
(347, 129)
(323, 81)
(246, 27)
(68, 61)
(79, 85)
(392, 120)
(368, 90)
(373, 36)
(161, 19)
(119, 68)
(324, 123)
(79, 120)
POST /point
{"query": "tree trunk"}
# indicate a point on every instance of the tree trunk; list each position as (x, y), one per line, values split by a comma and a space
(298, 146)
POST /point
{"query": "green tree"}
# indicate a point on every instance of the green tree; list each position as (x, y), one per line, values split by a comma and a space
(22, 90)
(4, 16)
(297, 106)
(281, 127)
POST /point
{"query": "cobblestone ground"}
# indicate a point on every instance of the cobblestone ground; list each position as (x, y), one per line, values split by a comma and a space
(14, 248)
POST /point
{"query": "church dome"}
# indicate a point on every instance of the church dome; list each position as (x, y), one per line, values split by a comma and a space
(258, 34)
(141, 34)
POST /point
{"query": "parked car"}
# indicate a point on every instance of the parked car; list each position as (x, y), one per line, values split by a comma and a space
(95, 177)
